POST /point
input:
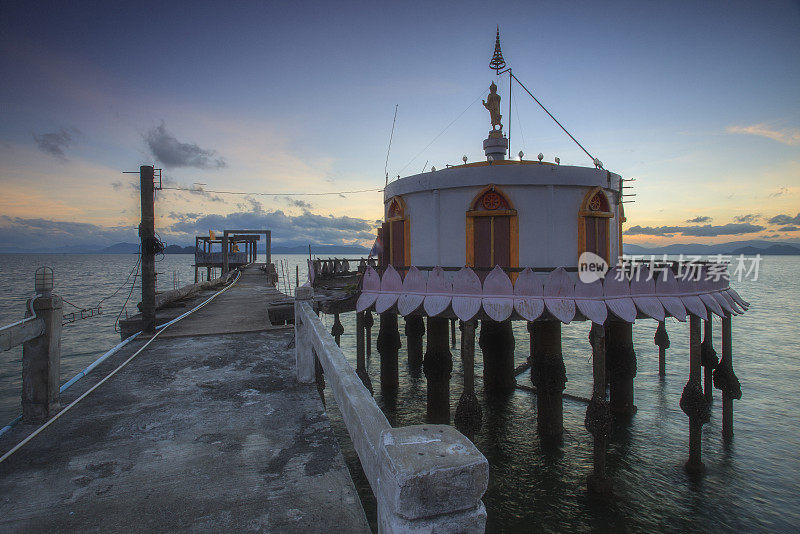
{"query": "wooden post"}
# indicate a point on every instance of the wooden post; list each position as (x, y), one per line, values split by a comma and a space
(497, 345)
(725, 380)
(549, 376)
(621, 366)
(598, 414)
(468, 414)
(415, 330)
(709, 361)
(388, 347)
(337, 329)
(661, 339)
(692, 402)
(368, 322)
(147, 233)
(452, 333)
(361, 365)
(225, 258)
(296, 276)
(438, 365)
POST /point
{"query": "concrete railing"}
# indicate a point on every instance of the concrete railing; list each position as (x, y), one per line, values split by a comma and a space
(425, 478)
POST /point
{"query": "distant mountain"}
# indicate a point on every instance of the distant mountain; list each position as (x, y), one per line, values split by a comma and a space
(177, 249)
(774, 250)
(757, 246)
(120, 248)
(321, 250)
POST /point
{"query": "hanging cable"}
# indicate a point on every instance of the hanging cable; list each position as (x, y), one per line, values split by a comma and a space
(594, 160)
(191, 190)
(440, 133)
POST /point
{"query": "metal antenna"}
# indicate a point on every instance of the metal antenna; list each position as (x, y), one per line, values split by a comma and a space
(386, 165)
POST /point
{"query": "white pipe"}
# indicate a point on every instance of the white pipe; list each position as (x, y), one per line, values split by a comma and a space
(160, 328)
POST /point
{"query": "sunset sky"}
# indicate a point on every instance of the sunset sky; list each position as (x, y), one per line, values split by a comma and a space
(700, 104)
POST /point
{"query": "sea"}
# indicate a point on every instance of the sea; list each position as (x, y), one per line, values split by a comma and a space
(751, 484)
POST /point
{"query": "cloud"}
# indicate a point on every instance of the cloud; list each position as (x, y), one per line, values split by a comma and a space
(286, 229)
(780, 192)
(172, 153)
(46, 234)
(696, 231)
(699, 219)
(116, 186)
(787, 136)
(54, 143)
(785, 219)
(296, 203)
(789, 228)
(750, 217)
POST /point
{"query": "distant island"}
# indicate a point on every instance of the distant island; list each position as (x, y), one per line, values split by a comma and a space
(748, 248)
(133, 248)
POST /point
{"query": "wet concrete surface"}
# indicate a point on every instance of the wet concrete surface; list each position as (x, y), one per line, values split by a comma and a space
(198, 433)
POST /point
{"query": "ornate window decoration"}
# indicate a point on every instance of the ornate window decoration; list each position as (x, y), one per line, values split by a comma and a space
(395, 234)
(492, 230)
(593, 224)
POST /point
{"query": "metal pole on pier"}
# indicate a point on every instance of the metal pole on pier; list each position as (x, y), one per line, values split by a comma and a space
(148, 236)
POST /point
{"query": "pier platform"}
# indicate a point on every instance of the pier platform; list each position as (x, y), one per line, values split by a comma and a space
(206, 430)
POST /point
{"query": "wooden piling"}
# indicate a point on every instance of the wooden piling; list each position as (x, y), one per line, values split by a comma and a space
(549, 376)
(438, 365)
(388, 347)
(598, 414)
(468, 414)
(692, 402)
(147, 234)
(415, 330)
(497, 345)
(621, 366)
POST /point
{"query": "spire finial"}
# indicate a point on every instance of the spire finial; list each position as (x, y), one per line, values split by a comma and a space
(497, 63)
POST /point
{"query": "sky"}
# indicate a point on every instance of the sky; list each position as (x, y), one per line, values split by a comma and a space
(699, 103)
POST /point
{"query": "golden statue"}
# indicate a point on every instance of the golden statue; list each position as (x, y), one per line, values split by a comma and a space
(493, 105)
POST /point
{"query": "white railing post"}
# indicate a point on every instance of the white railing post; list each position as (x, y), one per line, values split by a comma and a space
(303, 355)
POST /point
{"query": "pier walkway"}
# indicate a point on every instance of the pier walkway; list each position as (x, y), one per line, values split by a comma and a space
(206, 430)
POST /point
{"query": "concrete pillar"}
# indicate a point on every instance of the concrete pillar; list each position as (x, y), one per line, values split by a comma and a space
(661, 339)
(468, 411)
(41, 362)
(453, 333)
(709, 361)
(598, 414)
(303, 352)
(337, 329)
(497, 345)
(621, 366)
(415, 330)
(147, 235)
(438, 365)
(549, 376)
(368, 322)
(388, 347)
(725, 379)
(692, 402)
(361, 365)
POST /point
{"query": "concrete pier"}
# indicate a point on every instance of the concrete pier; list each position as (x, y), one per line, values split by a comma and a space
(438, 365)
(206, 430)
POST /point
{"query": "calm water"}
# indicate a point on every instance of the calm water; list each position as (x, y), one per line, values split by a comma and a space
(753, 485)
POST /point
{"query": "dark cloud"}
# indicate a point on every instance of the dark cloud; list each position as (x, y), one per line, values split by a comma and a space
(785, 219)
(302, 204)
(779, 192)
(696, 231)
(54, 143)
(286, 229)
(699, 219)
(48, 234)
(750, 217)
(116, 186)
(789, 228)
(172, 153)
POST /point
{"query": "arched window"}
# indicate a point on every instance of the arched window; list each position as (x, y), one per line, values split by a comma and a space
(394, 234)
(492, 230)
(593, 219)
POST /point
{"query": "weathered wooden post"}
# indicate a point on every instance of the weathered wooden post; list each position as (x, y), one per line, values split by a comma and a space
(621, 366)
(692, 402)
(337, 329)
(147, 234)
(468, 414)
(225, 253)
(368, 322)
(361, 364)
(437, 365)
(598, 413)
(661, 339)
(709, 360)
(388, 348)
(453, 333)
(549, 376)
(497, 345)
(41, 356)
(303, 355)
(726, 381)
(415, 330)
